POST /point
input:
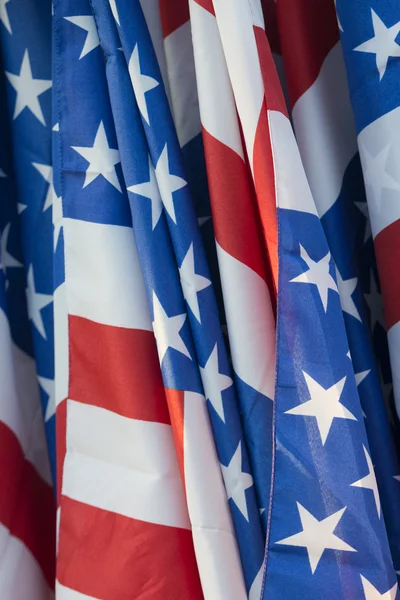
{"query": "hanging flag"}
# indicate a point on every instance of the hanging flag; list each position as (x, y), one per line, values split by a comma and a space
(324, 125)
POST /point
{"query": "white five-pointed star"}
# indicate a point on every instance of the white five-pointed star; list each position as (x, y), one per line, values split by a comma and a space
(317, 536)
(318, 274)
(237, 482)
(166, 330)
(167, 183)
(46, 172)
(101, 158)
(28, 89)
(149, 189)
(114, 11)
(2, 174)
(374, 302)
(375, 176)
(36, 302)
(21, 207)
(324, 405)
(140, 83)
(7, 260)
(214, 382)
(383, 44)
(47, 386)
(371, 593)
(57, 218)
(361, 376)
(363, 207)
(346, 289)
(191, 282)
(4, 15)
(87, 23)
(369, 482)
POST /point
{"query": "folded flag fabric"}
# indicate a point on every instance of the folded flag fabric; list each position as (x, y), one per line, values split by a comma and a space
(196, 367)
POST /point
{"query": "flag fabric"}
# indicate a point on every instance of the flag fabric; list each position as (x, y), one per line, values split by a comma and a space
(195, 365)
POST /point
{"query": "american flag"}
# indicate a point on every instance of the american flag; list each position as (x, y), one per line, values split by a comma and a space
(195, 376)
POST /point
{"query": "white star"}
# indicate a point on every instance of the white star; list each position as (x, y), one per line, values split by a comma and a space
(374, 301)
(202, 220)
(361, 376)
(324, 405)
(21, 207)
(363, 207)
(167, 183)
(28, 89)
(46, 172)
(2, 174)
(47, 386)
(166, 330)
(140, 83)
(317, 536)
(346, 289)
(4, 15)
(56, 127)
(375, 176)
(114, 11)
(369, 482)
(191, 282)
(92, 38)
(397, 477)
(383, 44)
(371, 593)
(149, 189)
(237, 482)
(57, 218)
(36, 302)
(215, 382)
(318, 274)
(7, 260)
(101, 158)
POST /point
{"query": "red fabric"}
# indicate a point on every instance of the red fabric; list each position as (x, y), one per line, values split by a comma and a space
(27, 506)
(96, 542)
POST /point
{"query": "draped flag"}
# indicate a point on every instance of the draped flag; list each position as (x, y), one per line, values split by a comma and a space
(195, 371)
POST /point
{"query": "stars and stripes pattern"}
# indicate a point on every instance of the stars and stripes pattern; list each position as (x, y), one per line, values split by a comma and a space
(190, 319)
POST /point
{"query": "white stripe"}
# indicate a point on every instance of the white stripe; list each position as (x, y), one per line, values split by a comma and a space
(382, 136)
(20, 407)
(394, 351)
(235, 23)
(182, 83)
(257, 13)
(325, 131)
(123, 465)
(64, 593)
(61, 344)
(217, 104)
(103, 275)
(292, 189)
(251, 323)
(20, 575)
(213, 536)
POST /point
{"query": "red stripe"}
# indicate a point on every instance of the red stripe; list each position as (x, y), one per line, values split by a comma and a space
(27, 506)
(264, 177)
(176, 405)
(308, 31)
(271, 24)
(387, 249)
(207, 5)
(112, 557)
(174, 14)
(233, 204)
(117, 369)
(272, 86)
